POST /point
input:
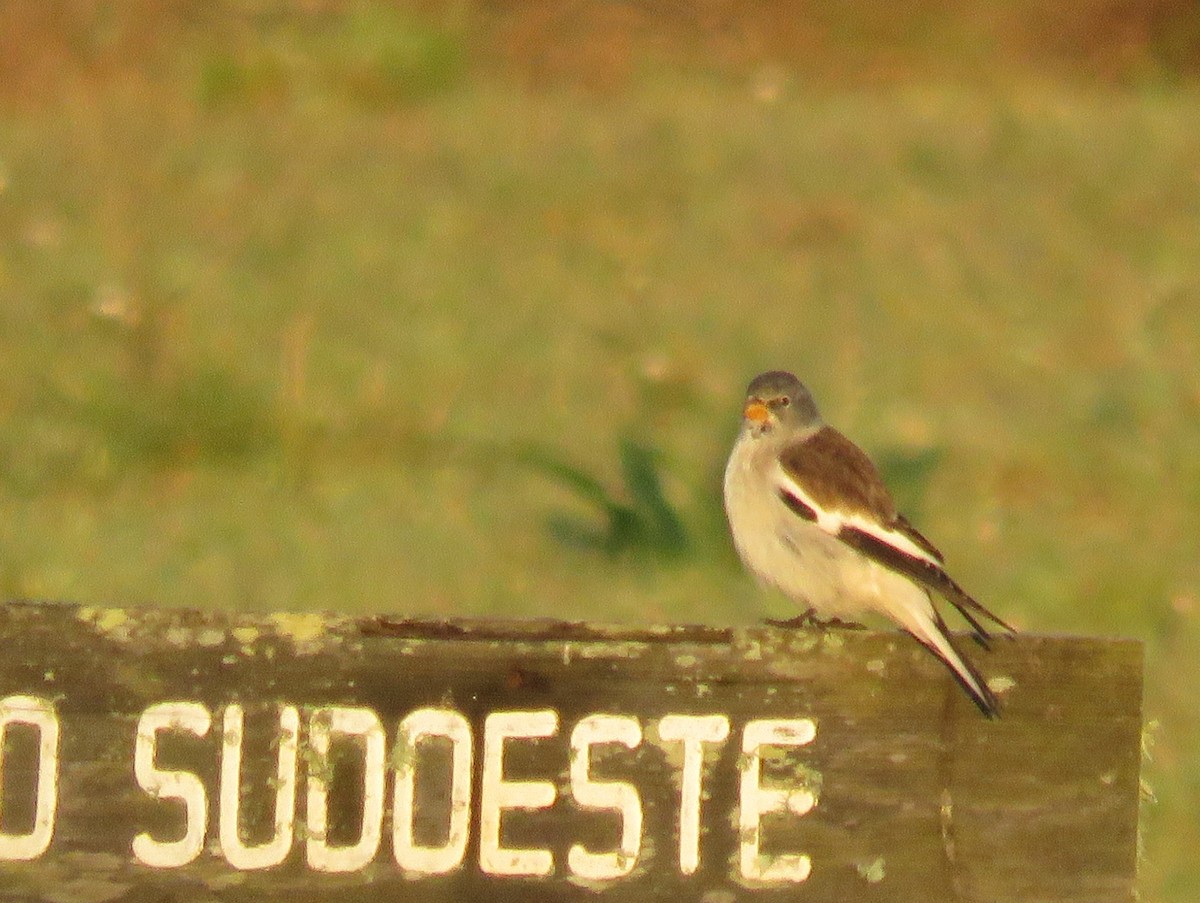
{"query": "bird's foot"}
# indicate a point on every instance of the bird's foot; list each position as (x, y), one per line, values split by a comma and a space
(800, 621)
(809, 619)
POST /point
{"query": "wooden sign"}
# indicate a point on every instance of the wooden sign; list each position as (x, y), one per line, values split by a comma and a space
(150, 755)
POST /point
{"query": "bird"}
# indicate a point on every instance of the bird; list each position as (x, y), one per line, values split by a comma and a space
(811, 516)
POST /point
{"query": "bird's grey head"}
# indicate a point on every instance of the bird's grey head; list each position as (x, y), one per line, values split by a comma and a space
(777, 399)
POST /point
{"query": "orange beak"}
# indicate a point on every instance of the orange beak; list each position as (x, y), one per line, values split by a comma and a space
(756, 412)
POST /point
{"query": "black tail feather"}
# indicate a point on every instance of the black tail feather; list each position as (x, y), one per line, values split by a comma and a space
(928, 574)
(967, 607)
(984, 699)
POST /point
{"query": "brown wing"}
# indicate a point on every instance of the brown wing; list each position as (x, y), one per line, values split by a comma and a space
(903, 526)
(928, 574)
(839, 476)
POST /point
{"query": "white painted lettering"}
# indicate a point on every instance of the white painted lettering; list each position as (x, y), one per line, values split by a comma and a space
(192, 718)
(693, 731)
(755, 800)
(497, 794)
(419, 726)
(616, 795)
(434, 841)
(39, 714)
(275, 850)
(351, 722)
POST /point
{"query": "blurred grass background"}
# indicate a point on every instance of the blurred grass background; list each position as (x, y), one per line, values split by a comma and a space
(448, 308)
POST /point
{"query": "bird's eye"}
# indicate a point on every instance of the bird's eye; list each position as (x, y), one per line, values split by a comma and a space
(784, 401)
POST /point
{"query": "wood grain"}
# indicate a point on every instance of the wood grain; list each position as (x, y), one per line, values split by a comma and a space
(917, 796)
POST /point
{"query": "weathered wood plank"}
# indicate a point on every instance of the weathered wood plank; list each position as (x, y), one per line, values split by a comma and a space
(915, 796)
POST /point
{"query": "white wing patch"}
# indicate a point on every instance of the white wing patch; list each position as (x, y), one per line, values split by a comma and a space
(832, 522)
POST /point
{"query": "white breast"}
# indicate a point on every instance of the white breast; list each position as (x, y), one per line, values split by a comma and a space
(808, 564)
